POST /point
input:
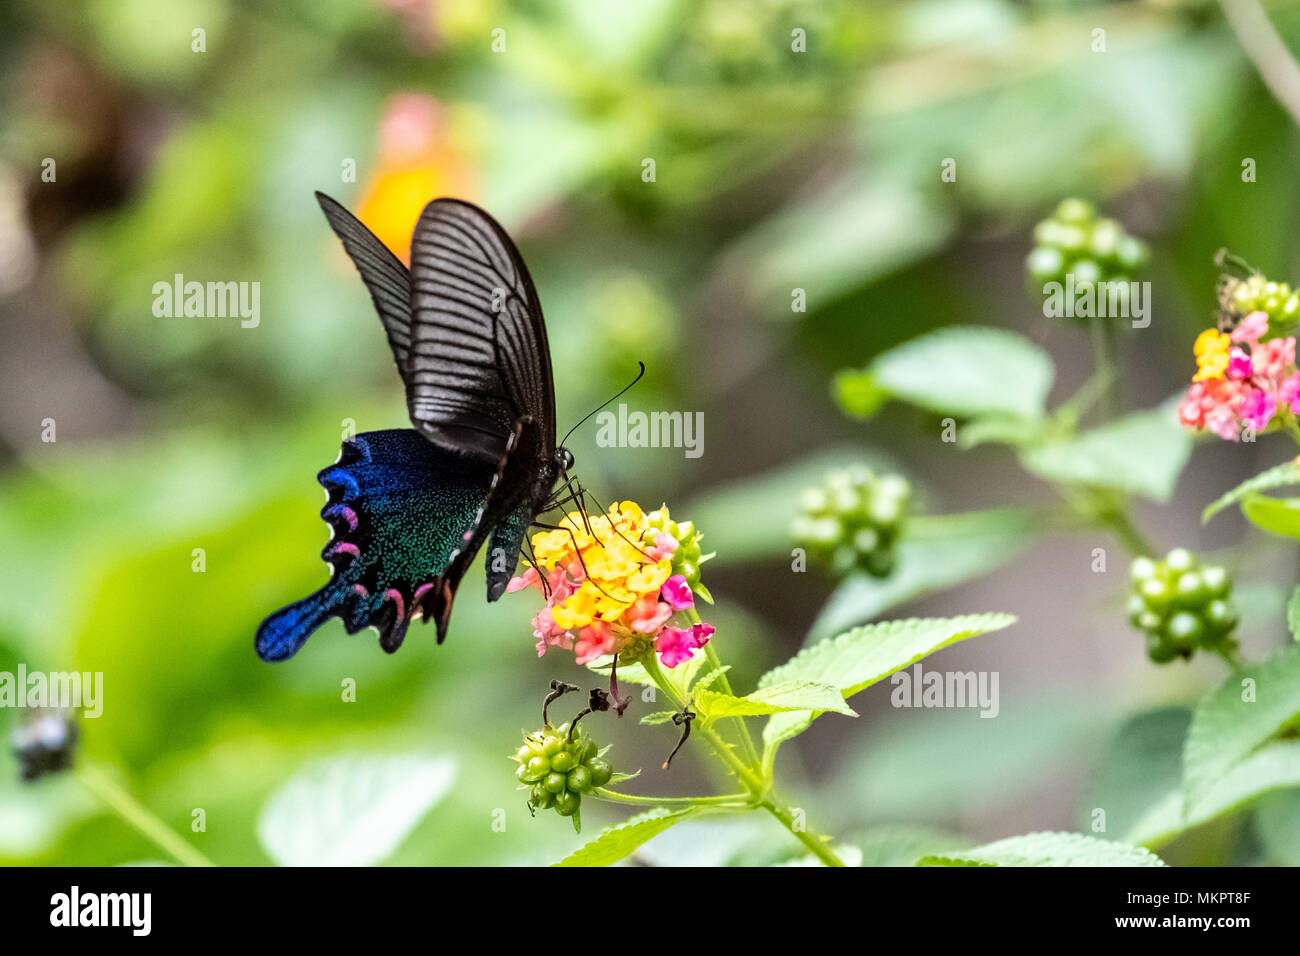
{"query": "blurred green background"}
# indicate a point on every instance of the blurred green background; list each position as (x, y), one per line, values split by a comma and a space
(774, 170)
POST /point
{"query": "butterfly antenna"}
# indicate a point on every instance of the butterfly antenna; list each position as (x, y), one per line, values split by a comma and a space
(606, 402)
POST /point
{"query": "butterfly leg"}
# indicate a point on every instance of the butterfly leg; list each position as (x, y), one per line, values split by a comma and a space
(532, 563)
(566, 494)
(577, 552)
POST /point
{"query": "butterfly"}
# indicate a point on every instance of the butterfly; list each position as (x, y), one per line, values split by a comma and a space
(411, 507)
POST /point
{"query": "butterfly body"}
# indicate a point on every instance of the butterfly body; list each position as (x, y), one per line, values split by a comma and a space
(411, 508)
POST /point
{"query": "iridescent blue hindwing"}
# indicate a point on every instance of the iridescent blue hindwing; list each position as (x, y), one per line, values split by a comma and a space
(399, 507)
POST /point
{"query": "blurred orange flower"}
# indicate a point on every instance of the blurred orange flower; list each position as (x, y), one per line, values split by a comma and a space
(417, 161)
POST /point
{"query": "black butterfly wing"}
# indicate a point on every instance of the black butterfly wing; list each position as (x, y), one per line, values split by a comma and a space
(515, 494)
(384, 274)
(478, 359)
(399, 507)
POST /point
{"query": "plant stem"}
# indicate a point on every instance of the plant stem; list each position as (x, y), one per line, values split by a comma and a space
(1134, 541)
(1095, 509)
(1260, 41)
(747, 774)
(754, 780)
(1103, 356)
(711, 655)
(1115, 352)
(759, 787)
(1097, 387)
(816, 844)
(736, 801)
(139, 816)
(651, 664)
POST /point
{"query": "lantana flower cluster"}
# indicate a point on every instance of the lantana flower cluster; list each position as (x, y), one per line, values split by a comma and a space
(1242, 378)
(611, 587)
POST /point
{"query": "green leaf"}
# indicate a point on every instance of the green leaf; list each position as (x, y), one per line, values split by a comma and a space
(1287, 473)
(859, 658)
(352, 810)
(858, 228)
(904, 845)
(1277, 824)
(1293, 614)
(783, 727)
(616, 842)
(1226, 729)
(849, 855)
(659, 717)
(705, 682)
(1275, 515)
(1142, 766)
(960, 370)
(1275, 767)
(1142, 453)
(936, 552)
(1000, 429)
(777, 698)
(1049, 849)
(858, 393)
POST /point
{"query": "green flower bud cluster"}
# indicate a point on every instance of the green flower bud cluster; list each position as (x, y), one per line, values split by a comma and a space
(854, 520)
(1181, 604)
(1238, 298)
(1075, 241)
(558, 769)
(687, 558)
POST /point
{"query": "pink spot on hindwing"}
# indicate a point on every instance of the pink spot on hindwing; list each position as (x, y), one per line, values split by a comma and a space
(345, 547)
(395, 596)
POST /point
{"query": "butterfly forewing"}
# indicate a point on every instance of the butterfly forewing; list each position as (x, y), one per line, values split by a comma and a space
(386, 278)
(478, 360)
